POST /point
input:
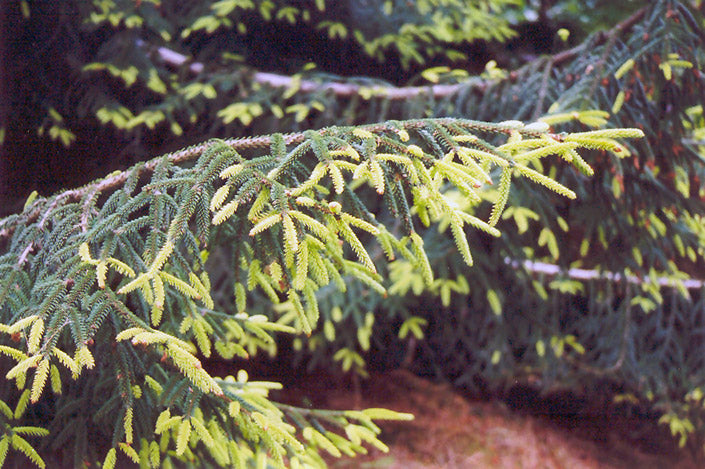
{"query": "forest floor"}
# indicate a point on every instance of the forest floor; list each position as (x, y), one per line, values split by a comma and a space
(450, 431)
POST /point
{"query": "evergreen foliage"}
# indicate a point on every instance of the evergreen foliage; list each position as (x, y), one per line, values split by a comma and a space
(183, 256)
(107, 298)
(609, 306)
(634, 327)
(174, 100)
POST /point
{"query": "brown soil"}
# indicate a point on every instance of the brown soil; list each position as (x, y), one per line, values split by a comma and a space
(450, 431)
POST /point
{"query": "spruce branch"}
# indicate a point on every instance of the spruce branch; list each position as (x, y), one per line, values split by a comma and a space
(119, 178)
(301, 208)
(553, 270)
(436, 91)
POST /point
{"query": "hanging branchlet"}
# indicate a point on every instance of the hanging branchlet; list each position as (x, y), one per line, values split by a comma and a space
(365, 153)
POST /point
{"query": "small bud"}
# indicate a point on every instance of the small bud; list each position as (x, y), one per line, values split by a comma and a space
(514, 124)
(537, 127)
(335, 207)
(415, 150)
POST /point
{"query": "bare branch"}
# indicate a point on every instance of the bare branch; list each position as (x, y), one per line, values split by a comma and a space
(585, 274)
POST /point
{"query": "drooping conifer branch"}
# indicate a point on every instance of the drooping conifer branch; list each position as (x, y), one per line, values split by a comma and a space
(239, 144)
(437, 91)
(120, 265)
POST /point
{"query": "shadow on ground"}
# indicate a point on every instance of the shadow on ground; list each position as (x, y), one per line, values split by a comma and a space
(450, 431)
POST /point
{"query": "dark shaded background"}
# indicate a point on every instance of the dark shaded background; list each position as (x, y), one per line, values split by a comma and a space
(42, 59)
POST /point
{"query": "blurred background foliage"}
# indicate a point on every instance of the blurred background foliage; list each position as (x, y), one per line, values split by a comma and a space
(76, 73)
(599, 297)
